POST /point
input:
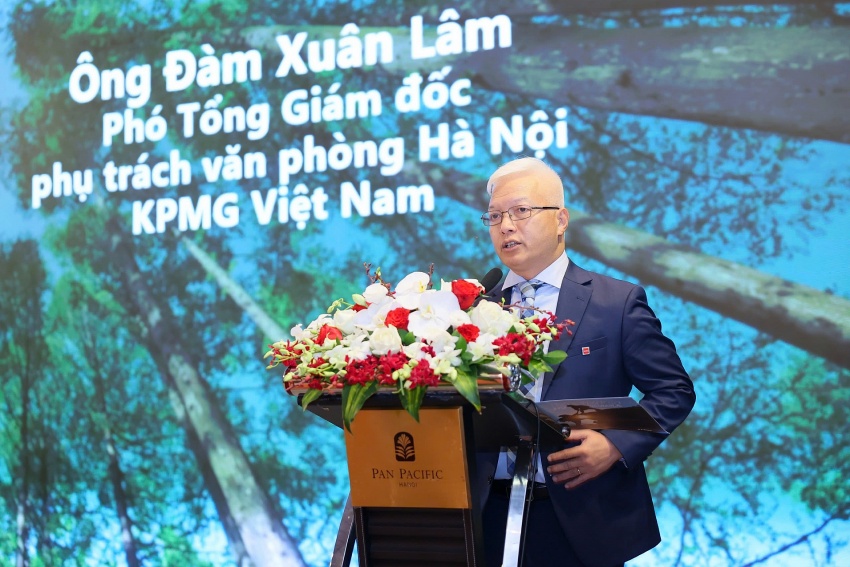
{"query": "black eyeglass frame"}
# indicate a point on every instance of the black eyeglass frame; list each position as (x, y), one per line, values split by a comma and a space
(485, 218)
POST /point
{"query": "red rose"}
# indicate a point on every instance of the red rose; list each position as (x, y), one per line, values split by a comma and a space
(398, 318)
(356, 307)
(466, 293)
(328, 332)
(469, 332)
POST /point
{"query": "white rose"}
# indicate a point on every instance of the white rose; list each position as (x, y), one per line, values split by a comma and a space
(344, 320)
(384, 340)
(458, 318)
(492, 319)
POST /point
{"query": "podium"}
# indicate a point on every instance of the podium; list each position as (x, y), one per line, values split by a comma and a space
(416, 487)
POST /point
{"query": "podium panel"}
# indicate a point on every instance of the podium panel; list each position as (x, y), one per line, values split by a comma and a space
(396, 462)
(409, 537)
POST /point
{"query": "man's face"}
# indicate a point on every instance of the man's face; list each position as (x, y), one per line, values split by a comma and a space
(527, 246)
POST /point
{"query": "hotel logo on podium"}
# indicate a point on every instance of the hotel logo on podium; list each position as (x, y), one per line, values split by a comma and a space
(404, 448)
(387, 468)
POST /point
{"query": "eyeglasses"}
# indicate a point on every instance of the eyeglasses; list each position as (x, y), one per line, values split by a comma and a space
(516, 213)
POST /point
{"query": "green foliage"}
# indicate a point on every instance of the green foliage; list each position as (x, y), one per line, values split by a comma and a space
(353, 398)
(177, 551)
(466, 385)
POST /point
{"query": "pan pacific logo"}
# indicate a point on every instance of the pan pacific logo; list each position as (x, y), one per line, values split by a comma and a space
(404, 449)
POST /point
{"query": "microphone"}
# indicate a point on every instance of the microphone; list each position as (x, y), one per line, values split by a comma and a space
(492, 278)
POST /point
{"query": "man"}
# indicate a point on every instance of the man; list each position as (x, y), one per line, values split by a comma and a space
(592, 506)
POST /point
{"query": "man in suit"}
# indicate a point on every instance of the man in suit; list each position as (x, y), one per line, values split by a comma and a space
(592, 504)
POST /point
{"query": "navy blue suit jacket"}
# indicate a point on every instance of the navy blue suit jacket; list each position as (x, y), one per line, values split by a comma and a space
(611, 519)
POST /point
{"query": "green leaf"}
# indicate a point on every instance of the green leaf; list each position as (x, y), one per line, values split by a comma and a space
(554, 357)
(353, 398)
(407, 338)
(467, 386)
(411, 400)
(538, 367)
(309, 397)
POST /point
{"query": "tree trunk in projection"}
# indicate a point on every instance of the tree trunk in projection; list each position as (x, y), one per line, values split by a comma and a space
(122, 504)
(802, 316)
(22, 287)
(261, 532)
(236, 292)
(22, 497)
(211, 481)
(792, 81)
(91, 349)
(22, 357)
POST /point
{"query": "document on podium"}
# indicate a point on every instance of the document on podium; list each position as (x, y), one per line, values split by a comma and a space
(592, 413)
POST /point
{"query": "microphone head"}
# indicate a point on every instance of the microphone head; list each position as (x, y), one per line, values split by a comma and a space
(492, 278)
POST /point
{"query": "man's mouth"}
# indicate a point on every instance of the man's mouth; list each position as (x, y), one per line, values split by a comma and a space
(510, 244)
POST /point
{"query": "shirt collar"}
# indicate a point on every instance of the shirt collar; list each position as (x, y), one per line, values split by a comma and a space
(552, 275)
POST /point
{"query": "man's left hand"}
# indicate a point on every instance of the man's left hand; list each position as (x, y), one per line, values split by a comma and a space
(575, 465)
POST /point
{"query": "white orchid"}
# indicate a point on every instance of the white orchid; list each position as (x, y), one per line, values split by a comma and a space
(410, 289)
(482, 347)
(375, 293)
(436, 309)
(373, 316)
(298, 332)
(358, 347)
(414, 351)
(442, 341)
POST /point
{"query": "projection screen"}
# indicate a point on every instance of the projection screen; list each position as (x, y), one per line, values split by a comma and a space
(183, 182)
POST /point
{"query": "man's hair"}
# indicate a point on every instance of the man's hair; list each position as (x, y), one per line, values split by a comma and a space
(548, 180)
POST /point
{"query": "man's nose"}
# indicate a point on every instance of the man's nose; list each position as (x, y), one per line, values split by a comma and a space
(507, 223)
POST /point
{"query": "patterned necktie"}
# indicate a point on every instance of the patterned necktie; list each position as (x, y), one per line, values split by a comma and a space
(527, 290)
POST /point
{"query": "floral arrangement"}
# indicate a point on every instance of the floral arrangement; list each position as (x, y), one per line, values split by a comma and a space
(411, 338)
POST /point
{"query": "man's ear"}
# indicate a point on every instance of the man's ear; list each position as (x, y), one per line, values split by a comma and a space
(563, 221)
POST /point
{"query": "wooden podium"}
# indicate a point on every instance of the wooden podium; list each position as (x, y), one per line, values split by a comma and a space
(415, 489)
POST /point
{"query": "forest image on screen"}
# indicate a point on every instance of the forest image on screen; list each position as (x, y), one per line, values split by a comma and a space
(182, 183)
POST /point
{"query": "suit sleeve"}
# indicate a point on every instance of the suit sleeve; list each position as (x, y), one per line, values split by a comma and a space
(652, 365)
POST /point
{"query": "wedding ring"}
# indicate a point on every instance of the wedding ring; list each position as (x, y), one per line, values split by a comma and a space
(578, 471)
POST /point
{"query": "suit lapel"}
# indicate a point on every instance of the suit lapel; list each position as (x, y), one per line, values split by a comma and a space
(572, 303)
